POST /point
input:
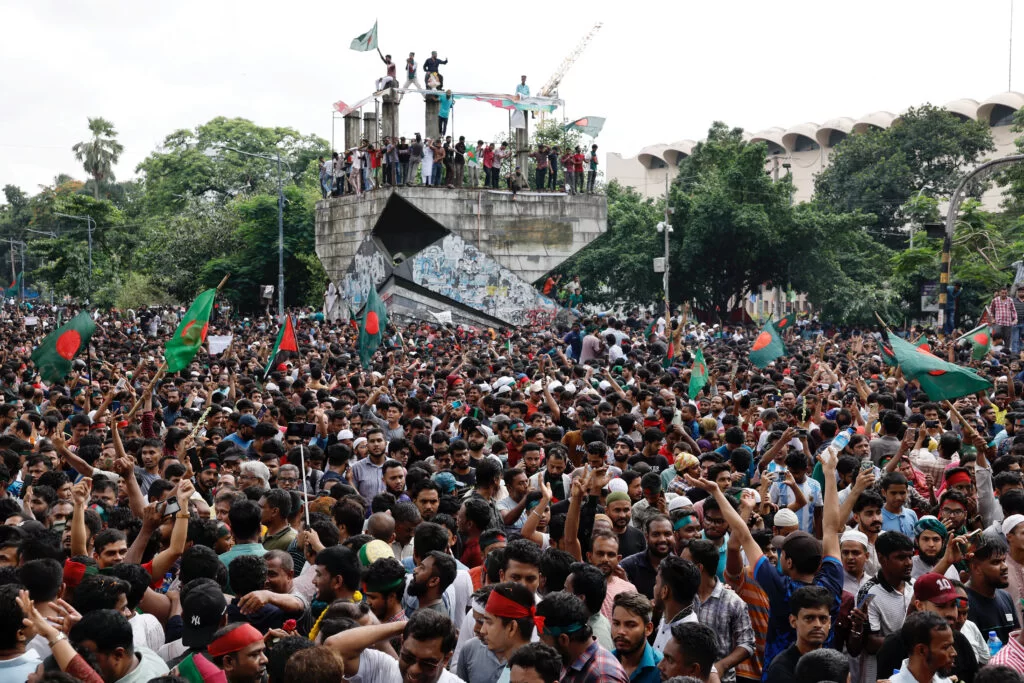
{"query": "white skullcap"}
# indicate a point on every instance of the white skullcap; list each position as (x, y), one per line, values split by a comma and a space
(786, 517)
(854, 535)
(679, 502)
(1011, 522)
(617, 484)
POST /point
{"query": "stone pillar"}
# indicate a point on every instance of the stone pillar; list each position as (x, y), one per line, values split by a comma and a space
(523, 145)
(370, 127)
(353, 130)
(431, 108)
(389, 114)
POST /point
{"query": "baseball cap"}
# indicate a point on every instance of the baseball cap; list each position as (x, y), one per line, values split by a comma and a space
(248, 421)
(211, 463)
(801, 544)
(446, 480)
(202, 606)
(934, 588)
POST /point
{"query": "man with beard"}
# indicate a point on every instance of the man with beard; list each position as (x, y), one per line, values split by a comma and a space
(336, 577)
(428, 641)
(553, 474)
(619, 508)
(989, 606)
(532, 456)
(430, 579)
(604, 554)
(427, 498)
(932, 653)
(563, 619)
(631, 627)
(867, 513)
(383, 584)
(507, 624)
(930, 539)
(891, 591)
(853, 546)
(932, 593)
(515, 443)
(206, 480)
(674, 592)
(461, 467)
(810, 617)
(642, 568)
(368, 473)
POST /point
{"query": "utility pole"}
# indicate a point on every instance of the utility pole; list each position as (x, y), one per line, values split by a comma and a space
(668, 229)
(280, 240)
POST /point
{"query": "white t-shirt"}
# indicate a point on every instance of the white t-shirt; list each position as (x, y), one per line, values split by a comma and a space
(146, 630)
(377, 667)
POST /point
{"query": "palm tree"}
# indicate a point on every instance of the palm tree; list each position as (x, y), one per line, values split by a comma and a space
(99, 154)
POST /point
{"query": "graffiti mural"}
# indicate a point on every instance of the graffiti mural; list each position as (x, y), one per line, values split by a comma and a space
(458, 270)
(369, 267)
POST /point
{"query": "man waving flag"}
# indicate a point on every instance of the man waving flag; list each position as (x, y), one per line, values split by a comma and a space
(191, 333)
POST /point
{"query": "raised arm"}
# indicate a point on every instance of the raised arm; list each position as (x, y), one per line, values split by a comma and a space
(736, 524)
(529, 530)
(831, 524)
(80, 498)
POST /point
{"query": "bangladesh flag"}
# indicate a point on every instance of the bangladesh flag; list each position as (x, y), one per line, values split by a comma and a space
(371, 326)
(670, 355)
(285, 342)
(785, 321)
(699, 374)
(12, 290)
(888, 356)
(922, 343)
(191, 333)
(54, 355)
(767, 346)
(942, 381)
(981, 341)
(366, 41)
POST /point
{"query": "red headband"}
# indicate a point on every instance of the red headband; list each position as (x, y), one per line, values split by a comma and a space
(958, 478)
(74, 572)
(506, 608)
(234, 640)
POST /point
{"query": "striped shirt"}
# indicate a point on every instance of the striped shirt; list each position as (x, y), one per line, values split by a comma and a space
(727, 615)
(757, 609)
(782, 496)
(1011, 654)
(886, 615)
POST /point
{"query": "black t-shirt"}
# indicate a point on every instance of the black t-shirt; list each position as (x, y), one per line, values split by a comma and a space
(783, 667)
(403, 152)
(892, 653)
(658, 463)
(631, 541)
(469, 478)
(992, 614)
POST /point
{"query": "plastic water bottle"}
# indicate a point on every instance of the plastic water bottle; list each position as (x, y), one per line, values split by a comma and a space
(994, 644)
(840, 442)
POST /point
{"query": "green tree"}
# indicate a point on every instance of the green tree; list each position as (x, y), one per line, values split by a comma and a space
(99, 154)
(732, 222)
(617, 266)
(927, 150)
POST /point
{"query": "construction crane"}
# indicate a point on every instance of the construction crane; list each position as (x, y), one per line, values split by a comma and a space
(550, 88)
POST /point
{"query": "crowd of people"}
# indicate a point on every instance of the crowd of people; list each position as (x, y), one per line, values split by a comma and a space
(441, 162)
(530, 505)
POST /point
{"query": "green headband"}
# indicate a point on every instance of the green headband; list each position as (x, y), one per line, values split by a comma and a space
(682, 522)
(559, 630)
(384, 587)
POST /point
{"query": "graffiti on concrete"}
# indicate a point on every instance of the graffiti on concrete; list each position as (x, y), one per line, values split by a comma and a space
(369, 267)
(458, 270)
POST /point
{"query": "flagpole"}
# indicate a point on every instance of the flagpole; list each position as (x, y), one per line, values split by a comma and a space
(305, 483)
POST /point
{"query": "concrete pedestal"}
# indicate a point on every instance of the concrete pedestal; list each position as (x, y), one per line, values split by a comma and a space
(353, 130)
(430, 125)
(523, 146)
(370, 128)
(389, 115)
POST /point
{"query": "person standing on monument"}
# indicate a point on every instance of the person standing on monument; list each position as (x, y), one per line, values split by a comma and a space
(447, 102)
(410, 72)
(431, 67)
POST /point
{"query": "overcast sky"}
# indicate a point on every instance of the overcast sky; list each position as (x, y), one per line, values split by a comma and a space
(659, 71)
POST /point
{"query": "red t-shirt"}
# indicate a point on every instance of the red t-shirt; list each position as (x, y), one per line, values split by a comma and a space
(577, 162)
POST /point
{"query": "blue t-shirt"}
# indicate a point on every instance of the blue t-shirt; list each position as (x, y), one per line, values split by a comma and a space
(446, 106)
(778, 588)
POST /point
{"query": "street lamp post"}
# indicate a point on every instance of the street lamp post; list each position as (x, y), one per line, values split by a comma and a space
(280, 223)
(90, 225)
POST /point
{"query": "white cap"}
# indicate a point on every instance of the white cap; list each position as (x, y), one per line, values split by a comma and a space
(571, 388)
(604, 385)
(345, 434)
(617, 484)
(786, 517)
(853, 535)
(484, 387)
(1011, 522)
(679, 502)
(503, 381)
(503, 389)
(554, 385)
(536, 387)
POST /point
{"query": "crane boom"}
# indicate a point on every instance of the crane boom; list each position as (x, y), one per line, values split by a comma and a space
(552, 85)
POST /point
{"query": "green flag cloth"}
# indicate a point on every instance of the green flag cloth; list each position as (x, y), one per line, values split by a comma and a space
(767, 346)
(981, 341)
(888, 357)
(588, 125)
(942, 381)
(922, 343)
(371, 326)
(12, 291)
(670, 355)
(785, 321)
(285, 342)
(182, 347)
(367, 41)
(698, 374)
(54, 355)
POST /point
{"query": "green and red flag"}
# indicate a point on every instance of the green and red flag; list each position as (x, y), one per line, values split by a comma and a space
(981, 341)
(670, 355)
(54, 355)
(887, 354)
(698, 374)
(371, 326)
(922, 343)
(785, 321)
(12, 289)
(942, 381)
(286, 342)
(767, 346)
(366, 41)
(191, 333)
(588, 125)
